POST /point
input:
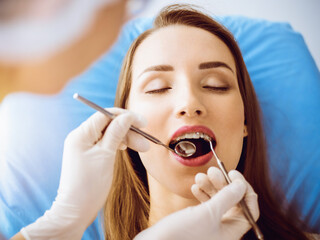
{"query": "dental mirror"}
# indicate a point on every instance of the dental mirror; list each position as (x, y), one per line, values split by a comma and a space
(185, 148)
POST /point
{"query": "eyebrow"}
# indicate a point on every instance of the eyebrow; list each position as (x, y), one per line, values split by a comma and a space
(205, 65)
(214, 64)
(158, 68)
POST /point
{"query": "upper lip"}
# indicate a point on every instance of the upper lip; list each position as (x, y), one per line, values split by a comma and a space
(193, 129)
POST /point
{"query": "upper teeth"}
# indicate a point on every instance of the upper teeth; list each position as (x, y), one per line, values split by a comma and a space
(195, 135)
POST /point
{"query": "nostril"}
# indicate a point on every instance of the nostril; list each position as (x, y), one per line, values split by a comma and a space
(191, 113)
(182, 113)
(198, 112)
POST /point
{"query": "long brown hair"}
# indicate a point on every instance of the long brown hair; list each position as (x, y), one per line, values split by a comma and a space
(127, 207)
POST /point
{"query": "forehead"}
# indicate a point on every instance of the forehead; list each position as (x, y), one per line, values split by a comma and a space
(178, 46)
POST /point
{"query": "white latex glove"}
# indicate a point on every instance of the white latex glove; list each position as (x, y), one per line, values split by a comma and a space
(218, 217)
(86, 174)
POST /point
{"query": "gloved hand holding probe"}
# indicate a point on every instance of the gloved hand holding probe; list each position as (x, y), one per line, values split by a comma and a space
(86, 174)
(218, 217)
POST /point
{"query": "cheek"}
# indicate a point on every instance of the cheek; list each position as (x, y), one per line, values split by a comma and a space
(155, 110)
(156, 115)
(230, 133)
(153, 113)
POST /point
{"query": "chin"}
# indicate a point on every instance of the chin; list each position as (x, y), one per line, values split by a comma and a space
(187, 195)
(182, 189)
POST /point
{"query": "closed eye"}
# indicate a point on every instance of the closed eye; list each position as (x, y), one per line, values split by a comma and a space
(217, 89)
(160, 90)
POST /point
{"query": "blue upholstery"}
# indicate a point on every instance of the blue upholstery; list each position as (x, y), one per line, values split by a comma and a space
(287, 82)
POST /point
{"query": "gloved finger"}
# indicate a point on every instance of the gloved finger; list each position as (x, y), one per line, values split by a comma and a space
(199, 194)
(216, 177)
(204, 183)
(137, 142)
(234, 174)
(227, 198)
(90, 131)
(119, 128)
(133, 140)
(251, 198)
(122, 146)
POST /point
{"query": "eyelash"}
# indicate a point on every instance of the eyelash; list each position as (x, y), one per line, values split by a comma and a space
(161, 90)
(217, 89)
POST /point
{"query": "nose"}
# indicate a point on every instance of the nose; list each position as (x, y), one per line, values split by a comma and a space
(189, 104)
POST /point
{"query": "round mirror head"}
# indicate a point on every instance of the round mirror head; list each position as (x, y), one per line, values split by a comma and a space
(185, 148)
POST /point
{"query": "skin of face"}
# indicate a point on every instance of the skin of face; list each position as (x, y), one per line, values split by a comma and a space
(180, 94)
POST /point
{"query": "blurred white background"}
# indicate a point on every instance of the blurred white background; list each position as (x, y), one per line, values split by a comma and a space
(303, 15)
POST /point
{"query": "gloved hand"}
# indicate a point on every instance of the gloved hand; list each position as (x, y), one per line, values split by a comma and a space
(86, 175)
(218, 217)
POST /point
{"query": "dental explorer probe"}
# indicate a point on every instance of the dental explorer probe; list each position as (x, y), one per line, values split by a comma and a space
(177, 150)
(242, 203)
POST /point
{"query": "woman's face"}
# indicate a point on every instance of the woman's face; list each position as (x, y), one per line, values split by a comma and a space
(184, 82)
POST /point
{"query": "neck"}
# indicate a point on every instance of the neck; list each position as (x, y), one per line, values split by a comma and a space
(164, 202)
(48, 76)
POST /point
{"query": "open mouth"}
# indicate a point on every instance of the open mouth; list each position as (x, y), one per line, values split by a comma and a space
(199, 139)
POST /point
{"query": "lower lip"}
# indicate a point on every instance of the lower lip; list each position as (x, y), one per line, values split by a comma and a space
(194, 162)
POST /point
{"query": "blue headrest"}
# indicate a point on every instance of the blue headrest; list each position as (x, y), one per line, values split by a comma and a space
(285, 77)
